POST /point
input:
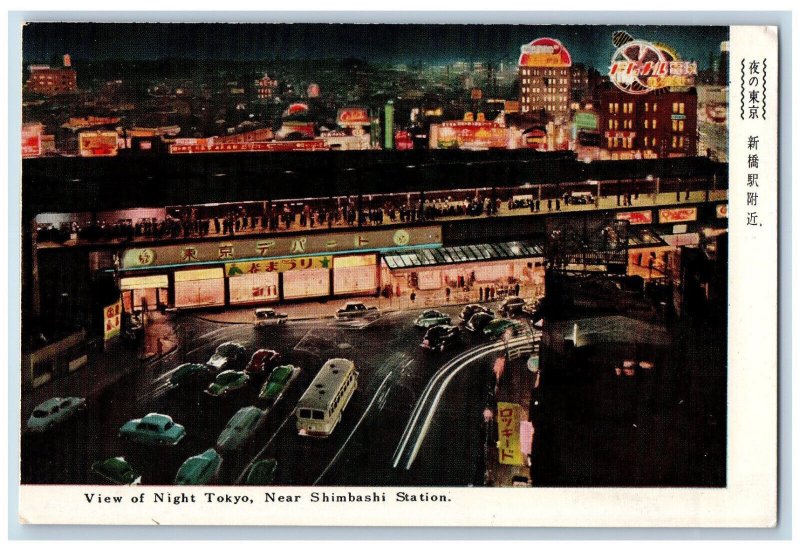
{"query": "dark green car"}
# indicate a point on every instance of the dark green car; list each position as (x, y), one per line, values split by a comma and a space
(262, 473)
(496, 328)
(117, 471)
(276, 383)
(226, 382)
(187, 374)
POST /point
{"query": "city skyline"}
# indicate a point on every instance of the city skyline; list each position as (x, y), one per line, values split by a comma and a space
(401, 44)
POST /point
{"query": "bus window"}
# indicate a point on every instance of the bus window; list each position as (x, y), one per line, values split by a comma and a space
(316, 414)
(305, 413)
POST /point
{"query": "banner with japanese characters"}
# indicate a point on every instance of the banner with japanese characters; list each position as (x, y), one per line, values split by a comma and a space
(233, 269)
(508, 440)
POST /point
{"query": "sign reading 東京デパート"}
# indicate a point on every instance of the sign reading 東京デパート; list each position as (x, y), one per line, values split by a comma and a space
(277, 247)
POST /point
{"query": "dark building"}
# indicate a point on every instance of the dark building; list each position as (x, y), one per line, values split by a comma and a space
(660, 124)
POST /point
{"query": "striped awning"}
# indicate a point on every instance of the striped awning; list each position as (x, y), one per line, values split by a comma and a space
(463, 253)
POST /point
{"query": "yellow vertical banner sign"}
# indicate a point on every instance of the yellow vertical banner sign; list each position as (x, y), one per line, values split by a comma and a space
(509, 451)
(112, 320)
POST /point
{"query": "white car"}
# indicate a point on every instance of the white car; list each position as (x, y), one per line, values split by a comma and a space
(54, 411)
(267, 316)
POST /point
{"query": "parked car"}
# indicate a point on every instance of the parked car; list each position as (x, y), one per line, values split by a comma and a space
(153, 428)
(264, 317)
(429, 318)
(228, 356)
(478, 321)
(262, 473)
(53, 411)
(497, 328)
(190, 374)
(263, 361)
(356, 310)
(511, 306)
(241, 427)
(277, 382)
(227, 382)
(471, 309)
(441, 337)
(117, 471)
(199, 469)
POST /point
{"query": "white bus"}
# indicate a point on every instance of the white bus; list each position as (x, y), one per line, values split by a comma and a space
(320, 408)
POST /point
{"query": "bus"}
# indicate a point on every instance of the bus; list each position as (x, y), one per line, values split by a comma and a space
(321, 405)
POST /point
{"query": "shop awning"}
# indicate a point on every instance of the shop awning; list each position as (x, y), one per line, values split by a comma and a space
(463, 253)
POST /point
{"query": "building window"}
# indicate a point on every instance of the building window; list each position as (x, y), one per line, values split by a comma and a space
(674, 125)
(655, 107)
(674, 142)
(680, 141)
(681, 106)
(654, 123)
(646, 107)
(645, 139)
(647, 123)
(680, 126)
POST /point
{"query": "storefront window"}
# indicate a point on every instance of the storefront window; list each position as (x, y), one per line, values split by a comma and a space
(306, 283)
(259, 287)
(354, 274)
(199, 288)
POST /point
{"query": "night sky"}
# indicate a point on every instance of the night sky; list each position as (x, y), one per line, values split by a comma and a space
(429, 44)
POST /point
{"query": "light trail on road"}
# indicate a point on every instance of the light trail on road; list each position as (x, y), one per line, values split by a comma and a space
(438, 384)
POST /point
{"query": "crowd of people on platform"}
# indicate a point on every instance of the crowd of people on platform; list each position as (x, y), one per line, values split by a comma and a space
(193, 221)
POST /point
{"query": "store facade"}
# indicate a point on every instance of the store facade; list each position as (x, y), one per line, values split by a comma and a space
(259, 271)
(503, 268)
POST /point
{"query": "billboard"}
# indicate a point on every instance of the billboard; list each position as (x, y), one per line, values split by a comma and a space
(586, 121)
(669, 216)
(112, 320)
(239, 147)
(635, 217)
(508, 438)
(353, 116)
(639, 66)
(31, 140)
(469, 135)
(234, 269)
(270, 248)
(102, 143)
(544, 52)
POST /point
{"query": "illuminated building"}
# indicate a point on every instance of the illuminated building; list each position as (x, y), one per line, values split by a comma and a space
(660, 124)
(545, 78)
(50, 81)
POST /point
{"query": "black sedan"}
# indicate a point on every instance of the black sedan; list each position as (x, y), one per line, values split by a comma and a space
(441, 338)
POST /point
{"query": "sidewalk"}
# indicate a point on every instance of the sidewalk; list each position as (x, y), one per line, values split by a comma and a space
(326, 308)
(104, 368)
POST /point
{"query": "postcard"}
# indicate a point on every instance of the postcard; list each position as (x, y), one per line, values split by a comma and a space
(399, 274)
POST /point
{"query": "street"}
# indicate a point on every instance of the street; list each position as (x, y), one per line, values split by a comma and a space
(393, 373)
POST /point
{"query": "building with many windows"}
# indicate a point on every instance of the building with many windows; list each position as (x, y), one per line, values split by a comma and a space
(656, 125)
(545, 79)
(51, 81)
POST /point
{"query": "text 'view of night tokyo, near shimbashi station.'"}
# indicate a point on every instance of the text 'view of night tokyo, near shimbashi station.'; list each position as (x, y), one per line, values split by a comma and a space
(374, 255)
